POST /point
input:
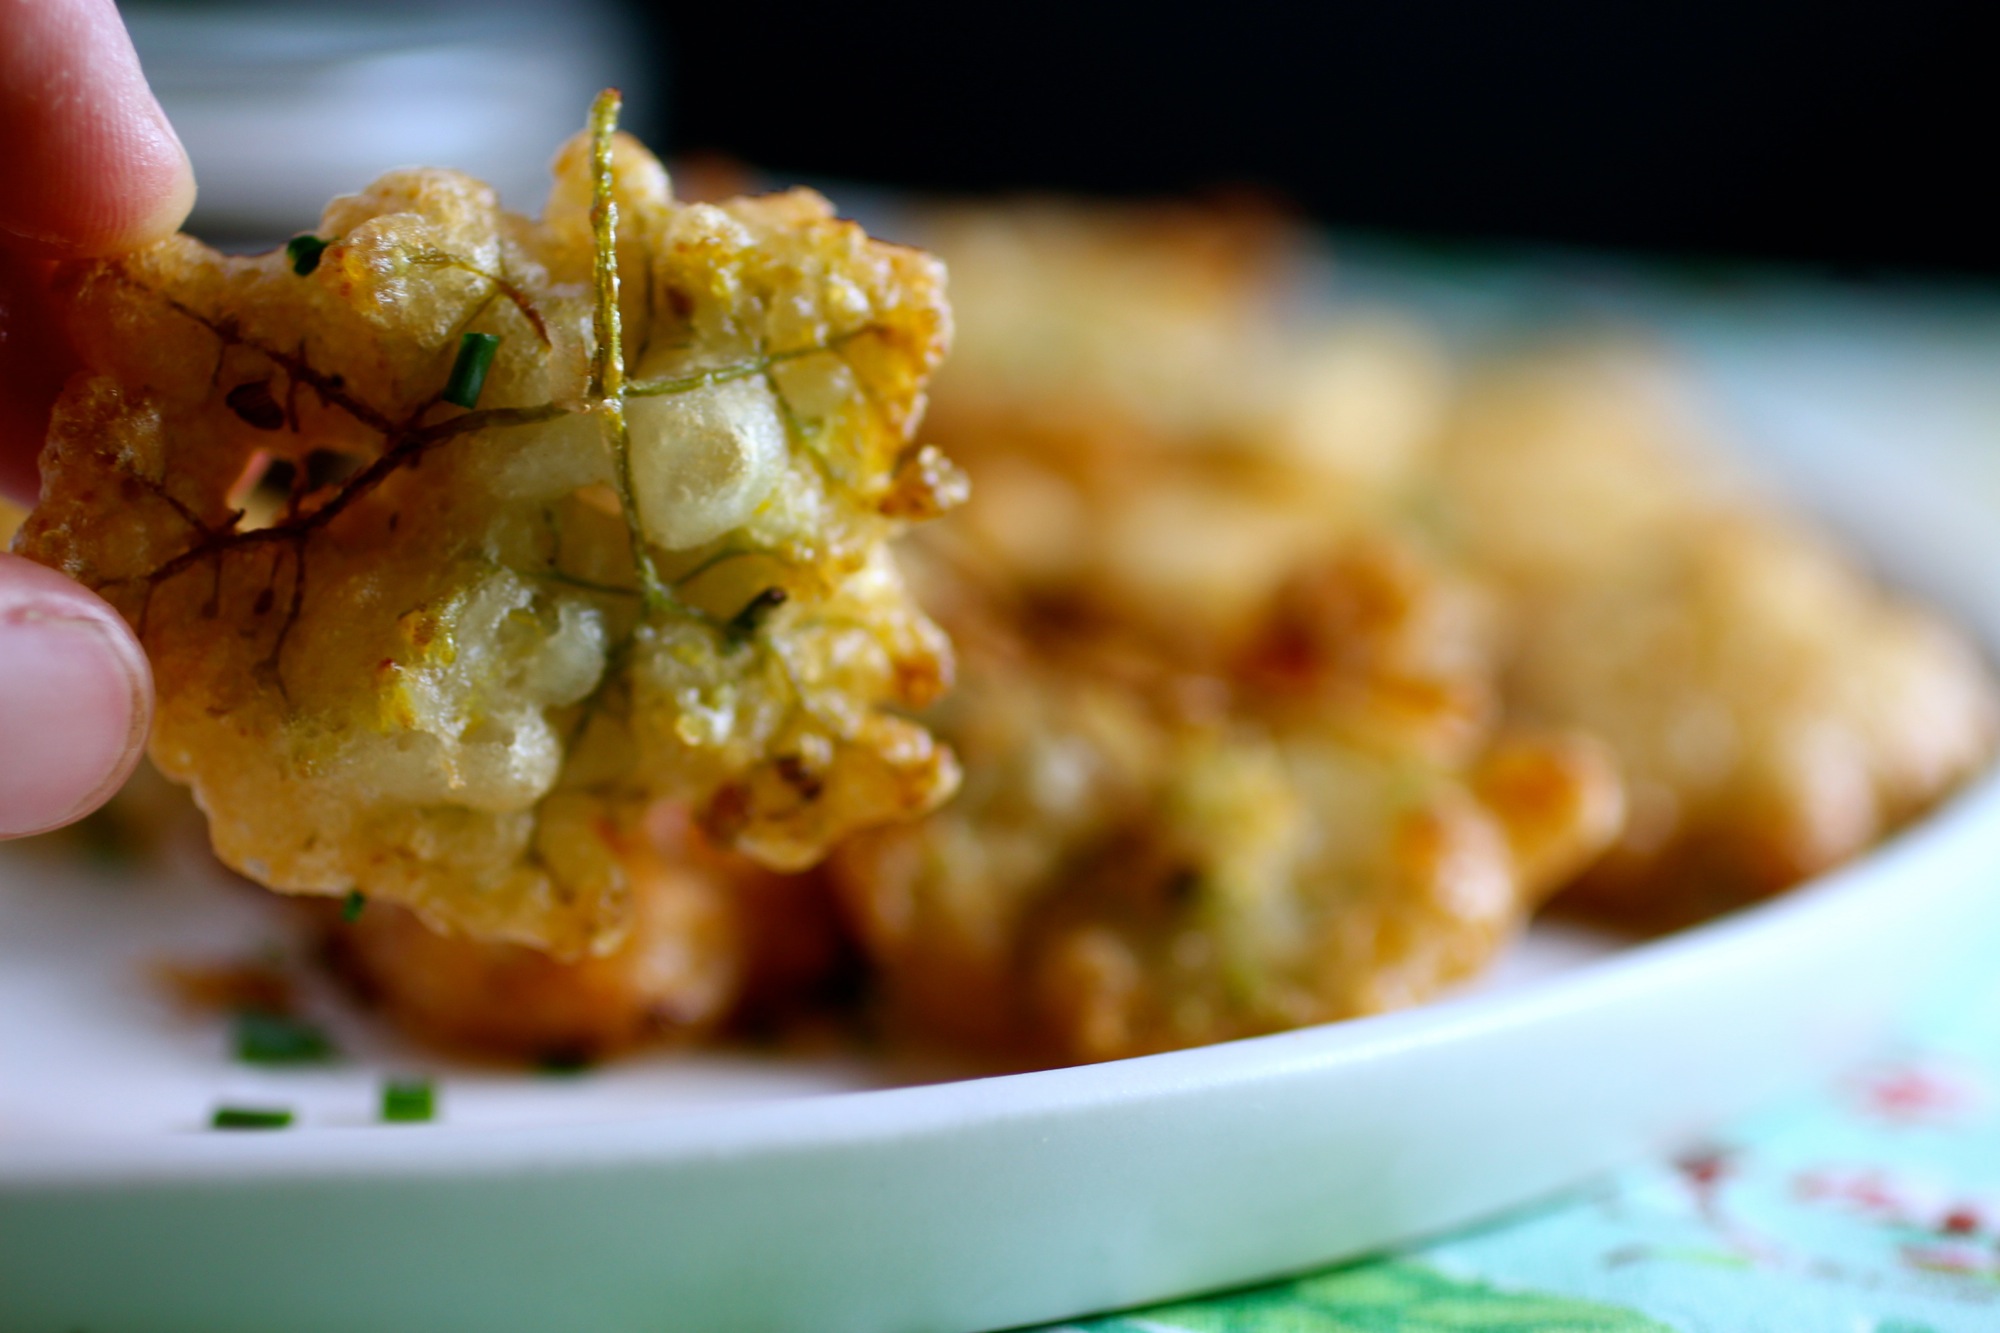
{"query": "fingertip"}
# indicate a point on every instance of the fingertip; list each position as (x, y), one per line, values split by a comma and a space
(140, 148)
(75, 700)
(92, 163)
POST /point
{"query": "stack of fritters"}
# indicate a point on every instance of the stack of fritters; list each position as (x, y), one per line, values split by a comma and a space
(1233, 750)
(1294, 674)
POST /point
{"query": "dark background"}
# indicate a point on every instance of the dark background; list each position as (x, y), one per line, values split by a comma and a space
(1852, 137)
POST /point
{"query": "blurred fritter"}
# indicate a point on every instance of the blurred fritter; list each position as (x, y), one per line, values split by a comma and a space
(1229, 738)
(1774, 711)
(1159, 425)
(441, 630)
(714, 938)
(1145, 858)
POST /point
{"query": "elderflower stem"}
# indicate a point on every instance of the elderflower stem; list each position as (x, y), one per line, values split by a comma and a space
(607, 364)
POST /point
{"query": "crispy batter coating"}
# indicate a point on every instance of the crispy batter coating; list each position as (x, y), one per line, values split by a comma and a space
(1773, 709)
(1144, 859)
(447, 645)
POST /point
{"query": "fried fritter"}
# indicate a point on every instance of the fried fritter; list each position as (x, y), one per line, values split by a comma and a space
(1156, 443)
(712, 934)
(1774, 711)
(1230, 738)
(445, 641)
(1145, 859)
(1158, 428)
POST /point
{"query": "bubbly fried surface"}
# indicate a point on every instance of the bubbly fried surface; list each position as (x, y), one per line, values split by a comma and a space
(1773, 709)
(447, 645)
(1144, 859)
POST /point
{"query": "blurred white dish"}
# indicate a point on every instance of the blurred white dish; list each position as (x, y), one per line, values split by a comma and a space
(276, 102)
(701, 1192)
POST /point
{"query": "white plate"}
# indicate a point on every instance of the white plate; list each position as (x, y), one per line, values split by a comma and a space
(717, 1193)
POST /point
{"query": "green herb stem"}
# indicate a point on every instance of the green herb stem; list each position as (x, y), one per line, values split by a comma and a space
(564, 1062)
(264, 1038)
(250, 1117)
(304, 252)
(468, 370)
(408, 1101)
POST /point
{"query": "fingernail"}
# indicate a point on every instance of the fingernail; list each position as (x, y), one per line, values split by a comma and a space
(72, 716)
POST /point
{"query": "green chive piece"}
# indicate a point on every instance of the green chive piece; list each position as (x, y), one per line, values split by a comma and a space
(352, 906)
(408, 1101)
(304, 251)
(468, 371)
(564, 1063)
(264, 1038)
(250, 1117)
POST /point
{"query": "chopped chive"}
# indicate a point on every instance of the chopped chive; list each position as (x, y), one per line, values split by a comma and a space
(264, 1038)
(304, 251)
(250, 1117)
(746, 622)
(408, 1101)
(468, 371)
(563, 1062)
(353, 905)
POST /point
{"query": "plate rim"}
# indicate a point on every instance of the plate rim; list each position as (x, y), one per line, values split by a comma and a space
(822, 1120)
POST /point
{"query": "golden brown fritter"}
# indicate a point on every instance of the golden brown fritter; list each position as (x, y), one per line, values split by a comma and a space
(1774, 711)
(1158, 442)
(445, 642)
(1158, 428)
(1230, 738)
(1144, 858)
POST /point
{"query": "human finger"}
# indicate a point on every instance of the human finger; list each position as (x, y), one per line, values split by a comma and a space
(90, 164)
(35, 358)
(75, 699)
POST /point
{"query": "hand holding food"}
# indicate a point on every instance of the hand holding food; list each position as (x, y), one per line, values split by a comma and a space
(536, 577)
(90, 167)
